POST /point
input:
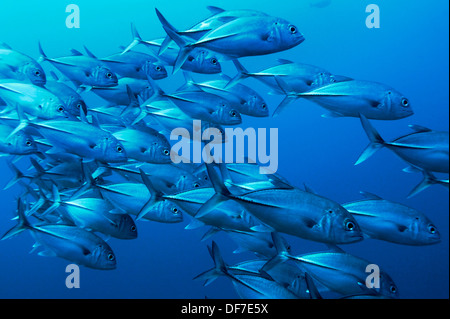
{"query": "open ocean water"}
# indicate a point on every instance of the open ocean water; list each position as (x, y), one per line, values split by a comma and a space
(409, 52)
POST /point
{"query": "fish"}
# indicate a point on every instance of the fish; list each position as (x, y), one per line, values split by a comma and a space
(291, 211)
(135, 64)
(34, 100)
(168, 178)
(81, 69)
(73, 101)
(142, 200)
(149, 147)
(79, 138)
(94, 214)
(424, 149)
(206, 107)
(20, 143)
(350, 98)
(199, 60)
(288, 275)
(66, 241)
(335, 269)
(227, 216)
(300, 77)
(246, 100)
(248, 284)
(247, 36)
(260, 243)
(18, 66)
(393, 222)
(219, 17)
(120, 94)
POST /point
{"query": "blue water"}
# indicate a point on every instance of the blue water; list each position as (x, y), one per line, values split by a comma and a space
(409, 52)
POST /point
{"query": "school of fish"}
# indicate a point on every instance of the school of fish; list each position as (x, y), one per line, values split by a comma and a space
(96, 170)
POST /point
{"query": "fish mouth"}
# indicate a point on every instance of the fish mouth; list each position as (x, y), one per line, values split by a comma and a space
(300, 38)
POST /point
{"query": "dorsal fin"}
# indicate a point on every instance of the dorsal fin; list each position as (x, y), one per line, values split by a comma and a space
(215, 10)
(284, 61)
(89, 53)
(370, 195)
(76, 52)
(419, 129)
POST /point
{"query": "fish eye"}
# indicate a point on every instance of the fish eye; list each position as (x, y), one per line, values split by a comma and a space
(166, 152)
(60, 109)
(174, 210)
(233, 113)
(133, 228)
(264, 106)
(111, 257)
(196, 185)
(190, 58)
(405, 102)
(37, 73)
(330, 211)
(119, 149)
(293, 29)
(28, 143)
(349, 225)
(432, 229)
(393, 289)
(214, 61)
(109, 75)
(158, 68)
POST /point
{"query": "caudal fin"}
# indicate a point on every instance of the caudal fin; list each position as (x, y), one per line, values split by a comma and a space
(376, 141)
(222, 193)
(291, 96)
(428, 180)
(241, 75)
(282, 253)
(185, 46)
(155, 195)
(43, 56)
(220, 268)
(136, 39)
(23, 222)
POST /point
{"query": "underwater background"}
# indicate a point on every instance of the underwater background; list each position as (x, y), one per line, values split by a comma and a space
(409, 52)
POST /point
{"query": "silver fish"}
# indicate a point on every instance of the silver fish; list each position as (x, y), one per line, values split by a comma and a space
(34, 100)
(19, 66)
(350, 98)
(246, 36)
(291, 211)
(81, 69)
(424, 149)
(69, 242)
(393, 222)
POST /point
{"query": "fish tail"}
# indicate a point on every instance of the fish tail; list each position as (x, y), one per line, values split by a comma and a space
(18, 175)
(56, 201)
(43, 56)
(155, 195)
(428, 180)
(222, 193)
(282, 253)
(22, 225)
(164, 45)
(219, 269)
(241, 75)
(185, 46)
(376, 141)
(136, 39)
(291, 96)
(23, 122)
